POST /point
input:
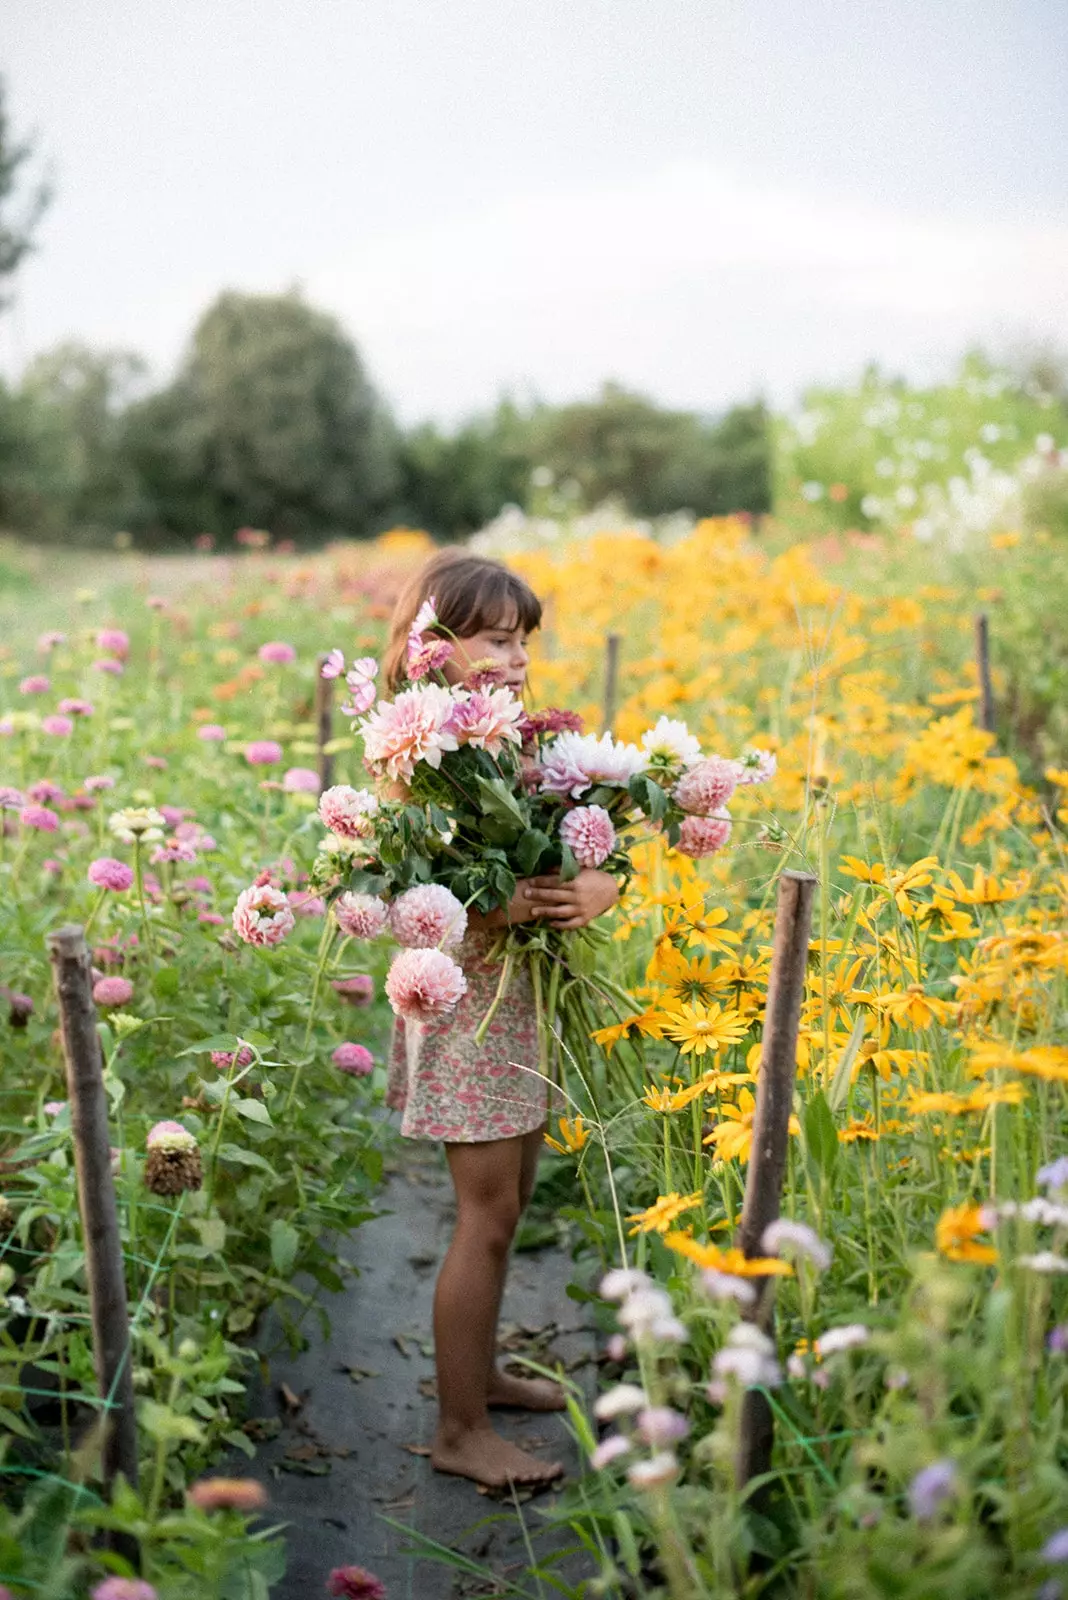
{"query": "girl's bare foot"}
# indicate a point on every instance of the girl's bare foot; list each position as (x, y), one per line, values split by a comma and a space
(526, 1394)
(483, 1455)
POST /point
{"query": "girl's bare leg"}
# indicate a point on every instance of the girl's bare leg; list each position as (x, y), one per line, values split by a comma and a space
(530, 1394)
(486, 1177)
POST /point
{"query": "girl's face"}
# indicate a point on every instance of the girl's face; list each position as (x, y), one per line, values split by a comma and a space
(506, 645)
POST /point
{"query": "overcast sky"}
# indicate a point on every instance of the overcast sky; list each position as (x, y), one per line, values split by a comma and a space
(704, 199)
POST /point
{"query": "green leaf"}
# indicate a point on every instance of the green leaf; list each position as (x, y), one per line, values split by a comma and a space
(212, 1232)
(245, 1158)
(499, 802)
(530, 847)
(164, 1424)
(254, 1110)
(839, 1090)
(284, 1242)
(821, 1135)
(218, 1041)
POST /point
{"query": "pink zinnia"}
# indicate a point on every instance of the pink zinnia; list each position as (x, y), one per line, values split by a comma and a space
(35, 684)
(361, 686)
(59, 727)
(173, 815)
(48, 641)
(11, 799)
(124, 1589)
(487, 719)
(306, 904)
(300, 780)
(277, 652)
(589, 835)
(224, 1059)
(39, 817)
(98, 781)
(211, 733)
(401, 733)
(707, 786)
(359, 990)
(109, 664)
(44, 791)
(703, 836)
(263, 753)
(426, 657)
(423, 985)
(355, 1059)
(114, 641)
(113, 991)
(108, 873)
(334, 665)
(361, 916)
(76, 708)
(427, 916)
(757, 766)
(355, 1583)
(348, 812)
(227, 1494)
(262, 915)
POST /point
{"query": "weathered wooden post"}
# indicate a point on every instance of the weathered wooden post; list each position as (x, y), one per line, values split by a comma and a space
(771, 1132)
(108, 1313)
(611, 680)
(982, 665)
(324, 724)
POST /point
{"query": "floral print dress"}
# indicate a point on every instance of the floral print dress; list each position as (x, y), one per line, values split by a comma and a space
(448, 1087)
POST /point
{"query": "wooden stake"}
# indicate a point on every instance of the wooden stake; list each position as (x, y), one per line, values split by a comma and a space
(982, 664)
(611, 680)
(771, 1133)
(96, 1198)
(324, 724)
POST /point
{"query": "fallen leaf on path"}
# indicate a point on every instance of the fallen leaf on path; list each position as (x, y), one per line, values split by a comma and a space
(291, 1401)
(416, 1449)
(428, 1388)
(357, 1374)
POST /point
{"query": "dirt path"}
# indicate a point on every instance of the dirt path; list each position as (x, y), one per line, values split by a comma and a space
(352, 1453)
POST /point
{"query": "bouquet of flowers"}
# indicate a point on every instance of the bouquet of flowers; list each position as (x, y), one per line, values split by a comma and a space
(473, 793)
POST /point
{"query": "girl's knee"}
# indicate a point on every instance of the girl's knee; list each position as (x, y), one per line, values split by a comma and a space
(494, 1222)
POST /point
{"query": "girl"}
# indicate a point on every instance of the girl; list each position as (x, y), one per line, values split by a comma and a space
(489, 1113)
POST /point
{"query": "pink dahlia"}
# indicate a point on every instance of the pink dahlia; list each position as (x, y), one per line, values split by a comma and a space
(305, 903)
(427, 916)
(422, 985)
(359, 990)
(575, 762)
(400, 733)
(425, 656)
(300, 780)
(487, 719)
(262, 915)
(124, 1589)
(703, 836)
(589, 835)
(114, 642)
(263, 753)
(35, 684)
(355, 1583)
(348, 812)
(225, 1059)
(361, 916)
(355, 1059)
(360, 679)
(333, 665)
(39, 817)
(211, 733)
(113, 991)
(76, 708)
(277, 652)
(757, 766)
(107, 873)
(707, 786)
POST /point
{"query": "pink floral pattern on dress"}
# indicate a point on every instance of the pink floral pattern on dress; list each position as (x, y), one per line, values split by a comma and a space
(447, 1087)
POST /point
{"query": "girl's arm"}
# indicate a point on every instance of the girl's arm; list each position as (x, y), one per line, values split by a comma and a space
(574, 904)
(519, 909)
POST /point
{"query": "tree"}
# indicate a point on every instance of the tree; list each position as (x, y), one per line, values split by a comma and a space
(16, 233)
(271, 420)
(452, 484)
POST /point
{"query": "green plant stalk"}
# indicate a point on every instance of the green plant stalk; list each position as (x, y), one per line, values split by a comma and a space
(139, 880)
(325, 941)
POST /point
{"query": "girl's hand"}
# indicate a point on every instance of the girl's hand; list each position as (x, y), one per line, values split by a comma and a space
(519, 909)
(570, 905)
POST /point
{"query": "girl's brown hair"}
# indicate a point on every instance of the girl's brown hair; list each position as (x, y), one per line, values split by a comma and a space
(470, 593)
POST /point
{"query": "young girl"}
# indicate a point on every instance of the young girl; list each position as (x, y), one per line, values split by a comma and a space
(489, 1113)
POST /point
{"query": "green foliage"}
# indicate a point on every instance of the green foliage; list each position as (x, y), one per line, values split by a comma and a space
(16, 232)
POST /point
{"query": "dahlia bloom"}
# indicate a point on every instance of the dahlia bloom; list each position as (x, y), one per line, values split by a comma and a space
(425, 656)
(400, 733)
(107, 873)
(113, 641)
(263, 753)
(549, 720)
(757, 766)
(113, 991)
(360, 680)
(427, 916)
(355, 1583)
(671, 744)
(703, 836)
(361, 916)
(334, 664)
(589, 835)
(300, 780)
(707, 786)
(359, 990)
(422, 985)
(305, 903)
(487, 719)
(58, 727)
(277, 653)
(35, 684)
(354, 1059)
(227, 1494)
(574, 762)
(262, 915)
(211, 733)
(348, 812)
(39, 817)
